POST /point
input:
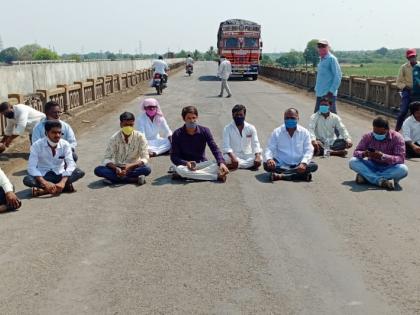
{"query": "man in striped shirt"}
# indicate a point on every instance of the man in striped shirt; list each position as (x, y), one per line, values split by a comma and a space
(379, 156)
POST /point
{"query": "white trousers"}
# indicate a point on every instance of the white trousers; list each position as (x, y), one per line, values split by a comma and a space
(208, 170)
(245, 160)
(159, 146)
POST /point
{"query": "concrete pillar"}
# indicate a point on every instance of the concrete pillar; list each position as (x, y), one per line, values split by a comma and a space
(367, 89)
(66, 100)
(388, 93)
(81, 92)
(93, 89)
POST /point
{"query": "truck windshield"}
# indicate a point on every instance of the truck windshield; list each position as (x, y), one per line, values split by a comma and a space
(251, 42)
(231, 43)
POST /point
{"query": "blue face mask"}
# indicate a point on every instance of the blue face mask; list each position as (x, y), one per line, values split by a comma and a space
(323, 109)
(190, 125)
(290, 123)
(379, 137)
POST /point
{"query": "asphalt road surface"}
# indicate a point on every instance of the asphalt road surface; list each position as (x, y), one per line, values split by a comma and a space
(248, 246)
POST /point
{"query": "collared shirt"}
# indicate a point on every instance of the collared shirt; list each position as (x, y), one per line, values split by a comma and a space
(5, 182)
(156, 129)
(41, 159)
(25, 118)
(393, 148)
(120, 152)
(160, 66)
(411, 129)
(289, 150)
(405, 76)
(245, 143)
(67, 132)
(189, 61)
(328, 77)
(323, 128)
(225, 69)
(186, 147)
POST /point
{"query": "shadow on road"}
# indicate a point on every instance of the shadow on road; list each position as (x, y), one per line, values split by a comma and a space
(263, 178)
(208, 78)
(14, 155)
(20, 173)
(361, 188)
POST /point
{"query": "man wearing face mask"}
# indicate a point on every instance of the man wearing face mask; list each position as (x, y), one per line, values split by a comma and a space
(328, 77)
(241, 146)
(289, 151)
(379, 156)
(19, 118)
(153, 125)
(322, 126)
(405, 83)
(51, 167)
(126, 155)
(188, 151)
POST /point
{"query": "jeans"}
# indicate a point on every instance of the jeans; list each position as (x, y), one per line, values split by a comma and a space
(291, 171)
(374, 172)
(30, 181)
(405, 102)
(333, 107)
(108, 173)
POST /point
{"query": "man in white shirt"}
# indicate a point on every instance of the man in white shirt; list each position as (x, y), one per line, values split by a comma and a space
(53, 112)
(126, 155)
(160, 66)
(19, 118)
(225, 70)
(241, 147)
(289, 151)
(51, 167)
(323, 126)
(411, 131)
(8, 199)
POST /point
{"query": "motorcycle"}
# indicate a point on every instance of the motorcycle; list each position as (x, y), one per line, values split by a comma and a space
(159, 82)
(189, 69)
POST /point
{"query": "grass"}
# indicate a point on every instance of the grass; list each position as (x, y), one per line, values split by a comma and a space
(371, 69)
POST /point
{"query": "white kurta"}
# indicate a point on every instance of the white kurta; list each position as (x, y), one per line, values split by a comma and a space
(156, 133)
(208, 170)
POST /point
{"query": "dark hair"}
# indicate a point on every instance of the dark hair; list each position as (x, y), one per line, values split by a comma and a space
(189, 110)
(381, 122)
(414, 107)
(4, 106)
(127, 116)
(189, 55)
(160, 57)
(222, 56)
(292, 109)
(325, 100)
(50, 124)
(238, 108)
(49, 105)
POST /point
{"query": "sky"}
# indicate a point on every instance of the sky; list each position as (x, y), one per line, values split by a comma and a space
(81, 26)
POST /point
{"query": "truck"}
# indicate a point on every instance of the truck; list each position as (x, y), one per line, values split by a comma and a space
(240, 42)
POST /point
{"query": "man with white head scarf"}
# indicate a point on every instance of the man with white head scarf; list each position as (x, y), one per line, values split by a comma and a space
(154, 126)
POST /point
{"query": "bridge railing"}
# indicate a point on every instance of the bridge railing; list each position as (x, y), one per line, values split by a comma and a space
(382, 95)
(82, 93)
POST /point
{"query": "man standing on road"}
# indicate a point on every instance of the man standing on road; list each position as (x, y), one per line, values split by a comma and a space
(241, 146)
(126, 155)
(322, 126)
(53, 112)
(405, 83)
(379, 156)
(289, 151)
(328, 77)
(411, 131)
(225, 70)
(19, 118)
(51, 167)
(8, 200)
(188, 151)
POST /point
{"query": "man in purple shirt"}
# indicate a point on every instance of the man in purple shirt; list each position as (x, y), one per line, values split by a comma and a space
(188, 151)
(385, 153)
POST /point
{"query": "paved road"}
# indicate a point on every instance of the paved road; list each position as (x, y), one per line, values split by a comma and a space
(245, 247)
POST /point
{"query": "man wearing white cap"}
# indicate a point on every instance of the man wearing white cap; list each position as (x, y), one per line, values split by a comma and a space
(328, 77)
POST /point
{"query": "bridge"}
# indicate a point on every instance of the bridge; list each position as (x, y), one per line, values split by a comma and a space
(248, 246)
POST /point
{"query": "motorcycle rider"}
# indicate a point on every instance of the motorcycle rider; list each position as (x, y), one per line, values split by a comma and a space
(189, 62)
(160, 66)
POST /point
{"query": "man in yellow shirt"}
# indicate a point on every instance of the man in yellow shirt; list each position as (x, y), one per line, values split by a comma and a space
(405, 83)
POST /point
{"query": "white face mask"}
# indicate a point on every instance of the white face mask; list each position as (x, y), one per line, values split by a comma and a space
(51, 143)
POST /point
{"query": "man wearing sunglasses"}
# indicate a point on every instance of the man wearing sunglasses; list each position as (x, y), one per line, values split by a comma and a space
(328, 77)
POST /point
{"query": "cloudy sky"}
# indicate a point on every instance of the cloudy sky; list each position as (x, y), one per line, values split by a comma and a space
(93, 25)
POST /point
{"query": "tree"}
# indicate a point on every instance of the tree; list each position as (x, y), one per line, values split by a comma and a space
(27, 52)
(45, 54)
(291, 59)
(382, 51)
(210, 54)
(311, 53)
(9, 54)
(266, 60)
(197, 55)
(181, 54)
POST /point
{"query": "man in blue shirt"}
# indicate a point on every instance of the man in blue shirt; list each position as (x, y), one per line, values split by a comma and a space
(53, 112)
(328, 76)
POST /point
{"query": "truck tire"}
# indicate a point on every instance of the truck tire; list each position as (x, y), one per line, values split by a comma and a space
(255, 77)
